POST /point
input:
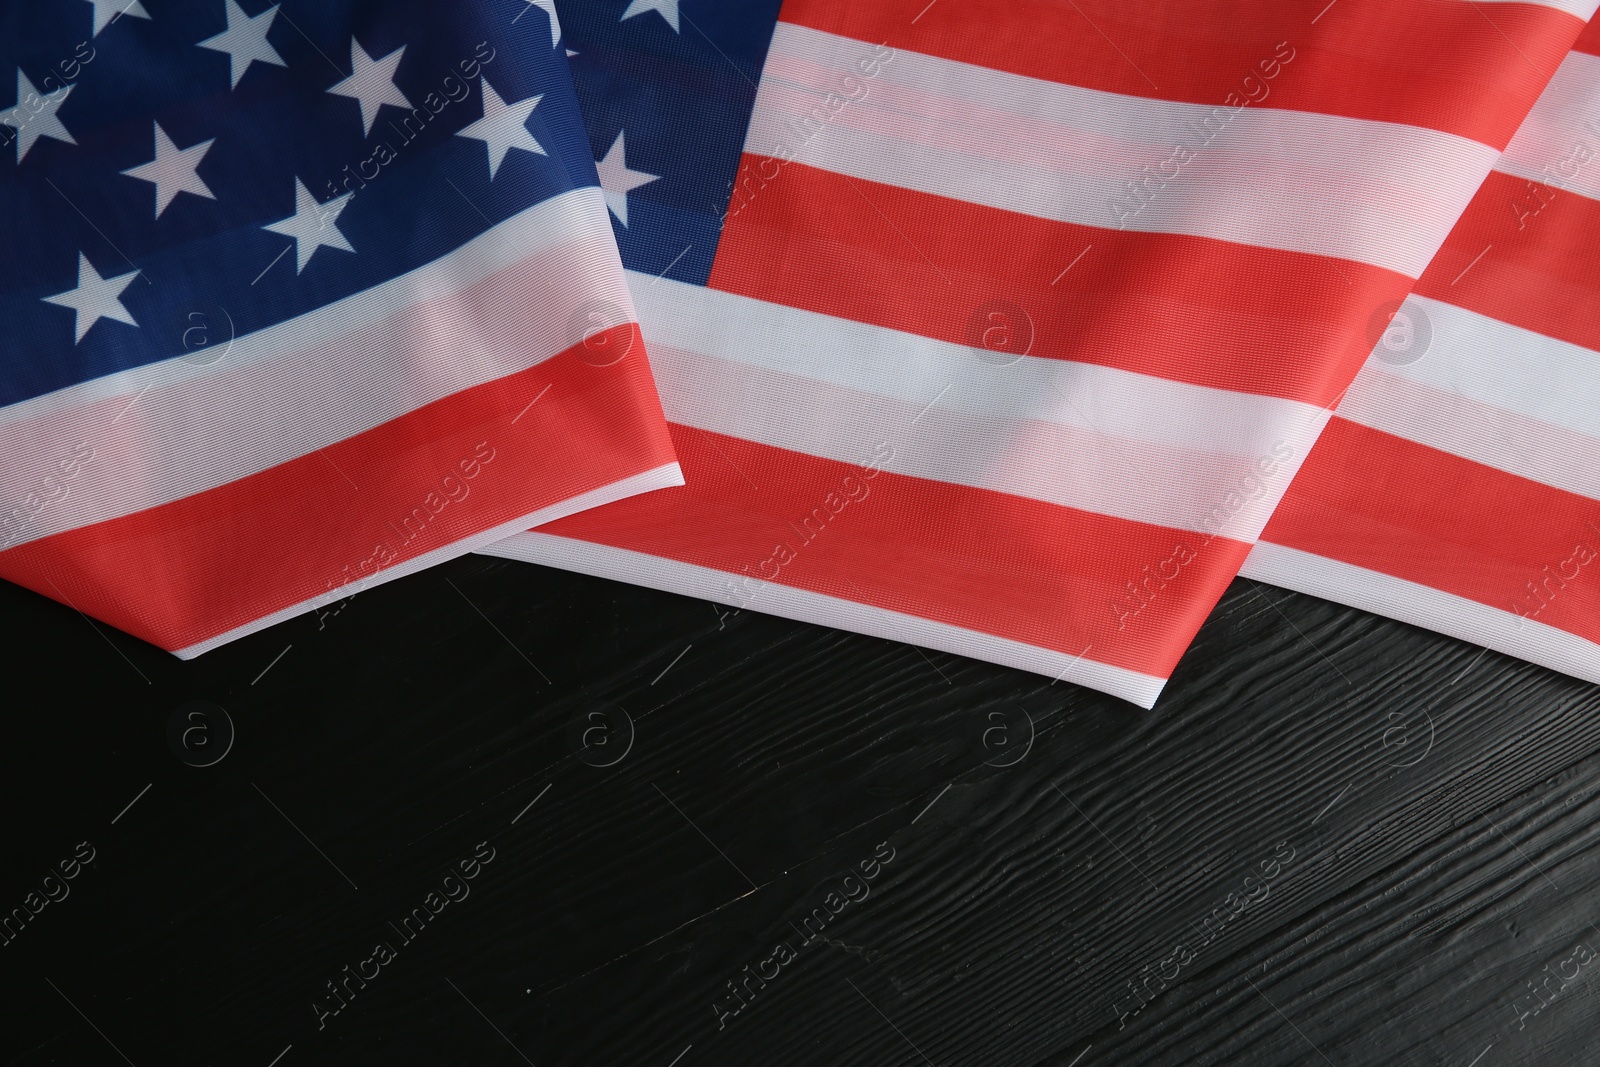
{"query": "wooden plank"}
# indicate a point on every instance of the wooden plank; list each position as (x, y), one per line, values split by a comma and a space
(1058, 891)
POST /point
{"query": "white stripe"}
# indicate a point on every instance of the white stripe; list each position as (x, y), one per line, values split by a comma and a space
(1483, 433)
(1421, 605)
(1095, 438)
(169, 430)
(1498, 365)
(1558, 144)
(787, 602)
(1583, 9)
(1375, 192)
(660, 478)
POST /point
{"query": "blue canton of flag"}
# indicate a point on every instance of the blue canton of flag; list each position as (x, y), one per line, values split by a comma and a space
(169, 157)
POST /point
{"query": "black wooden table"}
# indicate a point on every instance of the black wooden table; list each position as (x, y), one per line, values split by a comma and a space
(496, 814)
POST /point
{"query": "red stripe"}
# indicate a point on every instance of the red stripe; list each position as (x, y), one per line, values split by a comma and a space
(1391, 505)
(1589, 40)
(1045, 575)
(1460, 67)
(1188, 309)
(186, 571)
(1537, 268)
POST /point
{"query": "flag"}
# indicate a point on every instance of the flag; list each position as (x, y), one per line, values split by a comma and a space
(1001, 328)
(1458, 484)
(299, 297)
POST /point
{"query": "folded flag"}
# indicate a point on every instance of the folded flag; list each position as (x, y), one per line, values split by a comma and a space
(298, 297)
(1458, 484)
(1001, 328)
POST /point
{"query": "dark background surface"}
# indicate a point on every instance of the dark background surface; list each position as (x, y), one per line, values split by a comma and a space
(667, 798)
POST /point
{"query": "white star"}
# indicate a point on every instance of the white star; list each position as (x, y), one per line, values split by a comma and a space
(371, 82)
(95, 298)
(245, 40)
(618, 181)
(35, 116)
(667, 9)
(107, 11)
(173, 170)
(503, 126)
(549, 8)
(313, 225)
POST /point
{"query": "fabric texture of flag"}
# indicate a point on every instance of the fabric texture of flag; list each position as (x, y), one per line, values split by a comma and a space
(1458, 484)
(1001, 328)
(298, 297)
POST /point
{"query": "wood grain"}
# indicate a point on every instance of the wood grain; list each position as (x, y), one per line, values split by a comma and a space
(1050, 845)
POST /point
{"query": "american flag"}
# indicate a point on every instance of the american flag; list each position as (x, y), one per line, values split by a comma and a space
(1002, 328)
(1458, 485)
(298, 297)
